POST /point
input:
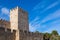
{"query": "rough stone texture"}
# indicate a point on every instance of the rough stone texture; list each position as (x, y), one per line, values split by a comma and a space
(6, 35)
(23, 20)
(4, 24)
(26, 35)
(17, 28)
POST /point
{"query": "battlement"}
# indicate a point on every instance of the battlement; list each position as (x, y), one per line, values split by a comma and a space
(6, 34)
(4, 24)
(24, 35)
(5, 30)
(19, 9)
(14, 9)
(30, 33)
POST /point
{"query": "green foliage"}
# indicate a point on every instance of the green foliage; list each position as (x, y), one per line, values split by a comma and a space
(46, 36)
(52, 36)
(54, 39)
(54, 32)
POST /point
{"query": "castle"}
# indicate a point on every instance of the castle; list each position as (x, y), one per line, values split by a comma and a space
(18, 27)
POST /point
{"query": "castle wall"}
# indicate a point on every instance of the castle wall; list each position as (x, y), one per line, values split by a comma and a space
(22, 35)
(25, 35)
(4, 24)
(6, 35)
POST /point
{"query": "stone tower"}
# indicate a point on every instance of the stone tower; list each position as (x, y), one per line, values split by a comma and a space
(19, 19)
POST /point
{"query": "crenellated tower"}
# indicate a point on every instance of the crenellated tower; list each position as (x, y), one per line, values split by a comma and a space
(19, 19)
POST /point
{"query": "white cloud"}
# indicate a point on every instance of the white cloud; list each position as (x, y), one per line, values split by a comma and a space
(5, 11)
(52, 16)
(50, 6)
(34, 24)
(39, 6)
(3, 18)
(34, 20)
(32, 28)
(55, 25)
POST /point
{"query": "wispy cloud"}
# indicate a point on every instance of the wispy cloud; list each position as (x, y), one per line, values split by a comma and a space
(49, 19)
(5, 11)
(52, 22)
(34, 20)
(34, 24)
(39, 6)
(32, 28)
(52, 16)
(44, 6)
(50, 6)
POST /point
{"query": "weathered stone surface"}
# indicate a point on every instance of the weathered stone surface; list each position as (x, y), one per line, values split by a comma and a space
(26, 35)
(6, 35)
(4, 24)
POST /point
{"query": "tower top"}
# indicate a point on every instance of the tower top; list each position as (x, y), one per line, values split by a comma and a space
(19, 9)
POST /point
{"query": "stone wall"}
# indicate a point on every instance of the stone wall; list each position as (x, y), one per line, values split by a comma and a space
(23, 20)
(4, 24)
(25, 35)
(6, 34)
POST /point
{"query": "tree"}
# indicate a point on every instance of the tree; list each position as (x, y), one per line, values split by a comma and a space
(47, 36)
(54, 35)
(54, 32)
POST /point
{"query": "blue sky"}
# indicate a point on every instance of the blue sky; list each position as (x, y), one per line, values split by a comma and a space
(44, 15)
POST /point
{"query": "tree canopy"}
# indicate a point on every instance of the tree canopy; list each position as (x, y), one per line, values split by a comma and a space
(54, 32)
